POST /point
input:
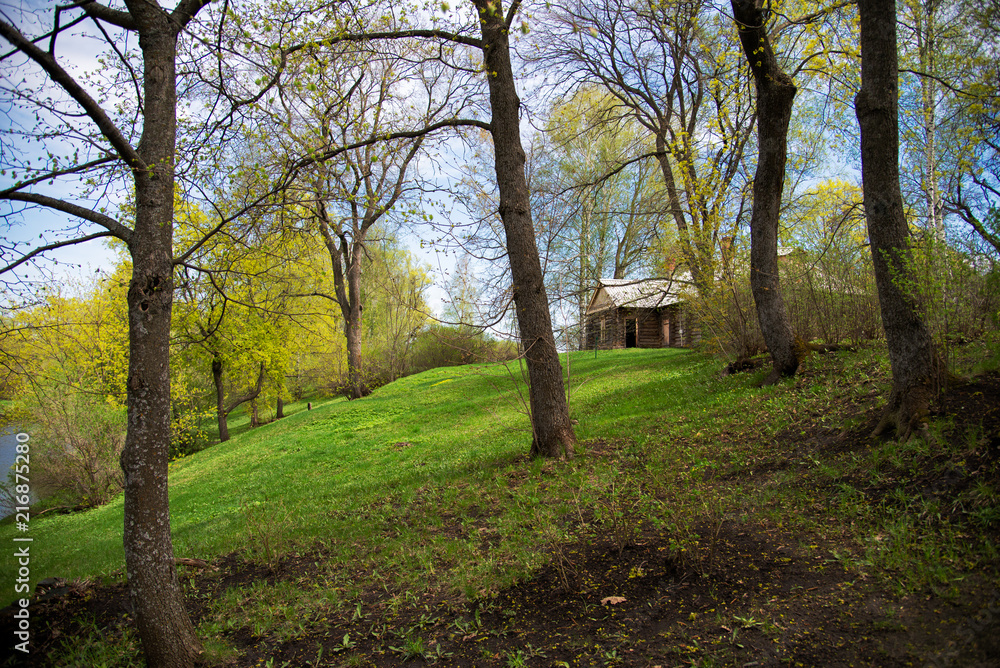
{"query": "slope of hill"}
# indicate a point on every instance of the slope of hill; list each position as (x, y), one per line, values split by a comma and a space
(704, 522)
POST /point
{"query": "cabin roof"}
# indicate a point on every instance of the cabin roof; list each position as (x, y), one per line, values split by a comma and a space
(637, 293)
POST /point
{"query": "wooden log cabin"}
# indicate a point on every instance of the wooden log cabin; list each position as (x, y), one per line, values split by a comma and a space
(629, 313)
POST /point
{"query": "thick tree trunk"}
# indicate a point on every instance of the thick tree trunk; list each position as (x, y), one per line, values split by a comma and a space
(280, 410)
(345, 260)
(357, 387)
(167, 634)
(775, 96)
(916, 370)
(254, 414)
(220, 398)
(553, 434)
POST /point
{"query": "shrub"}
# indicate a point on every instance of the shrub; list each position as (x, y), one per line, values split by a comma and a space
(441, 345)
(728, 320)
(77, 443)
(830, 297)
(957, 293)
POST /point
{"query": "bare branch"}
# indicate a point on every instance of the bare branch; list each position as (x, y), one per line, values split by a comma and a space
(397, 34)
(65, 81)
(62, 172)
(293, 171)
(59, 244)
(186, 9)
(940, 81)
(813, 17)
(512, 12)
(114, 228)
(115, 17)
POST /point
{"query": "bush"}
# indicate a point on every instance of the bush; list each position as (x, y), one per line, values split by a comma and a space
(187, 433)
(77, 443)
(959, 296)
(728, 320)
(830, 297)
(441, 345)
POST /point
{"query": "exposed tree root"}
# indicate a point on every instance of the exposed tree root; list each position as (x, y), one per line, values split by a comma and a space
(909, 406)
(906, 412)
(194, 563)
(741, 365)
(561, 447)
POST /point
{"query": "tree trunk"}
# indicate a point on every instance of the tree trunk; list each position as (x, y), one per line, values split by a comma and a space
(553, 434)
(349, 296)
(916, 370)
(223, 411)
(345, 260)
(357, 387)
(775, 96)
(280, 410)
(702, 272)
(220, 398)
(167, 634)
(254, 414)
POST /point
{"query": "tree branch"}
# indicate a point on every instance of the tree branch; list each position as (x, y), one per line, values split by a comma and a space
(53, 175)
(115, 17)
(297, 166)
(115, 228)
(90, 106)
(58, 244)
(405, 134)
(186, 9)
(511, 13)
(810, 18)
(399, 34)
(965, 213)
(249, 396)
(939, 80)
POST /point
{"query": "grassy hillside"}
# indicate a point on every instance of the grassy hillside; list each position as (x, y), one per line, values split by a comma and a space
(303, 475)
(405, 519)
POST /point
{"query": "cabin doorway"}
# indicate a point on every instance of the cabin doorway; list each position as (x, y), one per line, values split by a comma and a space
(631, 333)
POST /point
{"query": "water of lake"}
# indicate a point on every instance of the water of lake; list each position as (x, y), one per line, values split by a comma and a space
(8, 452)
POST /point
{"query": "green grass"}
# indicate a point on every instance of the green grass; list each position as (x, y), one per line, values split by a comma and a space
(401, 489)
(313, 474)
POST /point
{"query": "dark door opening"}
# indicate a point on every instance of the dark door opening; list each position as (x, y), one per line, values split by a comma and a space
(631, 333)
